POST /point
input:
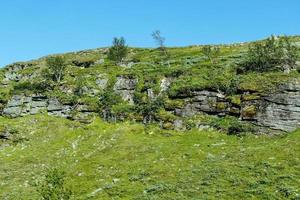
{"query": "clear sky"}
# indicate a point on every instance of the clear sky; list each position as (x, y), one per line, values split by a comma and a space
(33, 28)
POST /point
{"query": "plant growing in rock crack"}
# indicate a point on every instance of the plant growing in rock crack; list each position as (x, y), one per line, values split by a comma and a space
(118, 51)
(57, 67)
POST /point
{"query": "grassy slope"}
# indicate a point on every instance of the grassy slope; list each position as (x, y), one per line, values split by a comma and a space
(125, 161)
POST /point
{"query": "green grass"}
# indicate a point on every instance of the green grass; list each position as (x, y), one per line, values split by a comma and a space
(127, 161)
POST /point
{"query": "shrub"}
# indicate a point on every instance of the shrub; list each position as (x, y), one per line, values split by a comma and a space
(147, 107)
(232, 88)
(231, 125)
(53, 186)
(4, 96)
(235, 128)
(83, 62)
(270, 55)
(35, 87)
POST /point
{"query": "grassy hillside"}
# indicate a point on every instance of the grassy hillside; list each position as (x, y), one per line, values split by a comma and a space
(128, 161)
(189, 67)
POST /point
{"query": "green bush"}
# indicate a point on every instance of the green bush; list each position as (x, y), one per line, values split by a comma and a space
(4, 96)
(270, 55)
(122, 111)
(85, 62)
(147, 107)
(34, 87)
(231, 125)
(80, 82)
(53, 186)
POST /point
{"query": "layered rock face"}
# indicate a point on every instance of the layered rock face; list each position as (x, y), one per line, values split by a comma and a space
(279, 110)
(21, 105)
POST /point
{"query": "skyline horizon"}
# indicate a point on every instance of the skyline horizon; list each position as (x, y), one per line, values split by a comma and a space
(150, 47)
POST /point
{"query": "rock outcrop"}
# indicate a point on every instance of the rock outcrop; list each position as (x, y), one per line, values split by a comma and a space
(278, 111)
(21, 105)
(125, 87)
(281, 110)
(12, 72)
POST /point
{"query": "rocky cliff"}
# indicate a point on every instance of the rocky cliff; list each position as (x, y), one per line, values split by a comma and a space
(190, 87)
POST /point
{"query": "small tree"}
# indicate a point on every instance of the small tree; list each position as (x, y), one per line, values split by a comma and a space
(160, 41)
(118, 51)
(106, 101)
(53, 186)
(211, 52)
(57, 66)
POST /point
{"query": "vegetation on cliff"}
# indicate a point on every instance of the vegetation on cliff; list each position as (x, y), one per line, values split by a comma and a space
(170, 73)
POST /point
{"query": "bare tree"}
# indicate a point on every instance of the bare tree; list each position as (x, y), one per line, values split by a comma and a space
(160, 41)
(211, 52)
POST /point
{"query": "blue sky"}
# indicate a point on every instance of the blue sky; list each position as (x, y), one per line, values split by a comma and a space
(33, 28)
